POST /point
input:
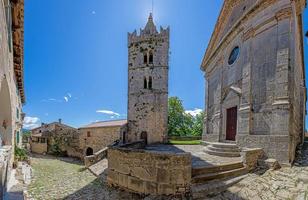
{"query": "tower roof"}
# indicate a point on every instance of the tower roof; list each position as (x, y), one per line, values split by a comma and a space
(150, 27)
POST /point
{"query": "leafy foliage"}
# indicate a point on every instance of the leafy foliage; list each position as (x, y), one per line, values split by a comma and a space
(181, 123)
(20, 154)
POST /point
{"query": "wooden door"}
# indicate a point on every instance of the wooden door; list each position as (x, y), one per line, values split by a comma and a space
(231, 123)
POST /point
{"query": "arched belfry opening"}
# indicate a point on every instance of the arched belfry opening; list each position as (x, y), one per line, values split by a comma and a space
(150, 57)
(145, 83)
(5, 114)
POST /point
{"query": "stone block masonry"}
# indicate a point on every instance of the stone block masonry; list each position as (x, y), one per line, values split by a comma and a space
(145, 172)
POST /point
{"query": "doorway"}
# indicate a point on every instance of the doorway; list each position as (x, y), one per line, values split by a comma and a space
(231, 123)
(144, 137)
(89, 151)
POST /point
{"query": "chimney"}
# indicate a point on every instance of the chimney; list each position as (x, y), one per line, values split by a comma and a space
(60, 121)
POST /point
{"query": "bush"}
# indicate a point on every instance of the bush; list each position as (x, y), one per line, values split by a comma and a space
(20, 154)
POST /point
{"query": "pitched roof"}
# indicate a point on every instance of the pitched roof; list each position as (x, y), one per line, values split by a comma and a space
(106, 124)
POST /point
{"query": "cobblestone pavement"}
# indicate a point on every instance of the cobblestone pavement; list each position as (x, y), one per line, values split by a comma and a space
(66, 178)
(286, 183)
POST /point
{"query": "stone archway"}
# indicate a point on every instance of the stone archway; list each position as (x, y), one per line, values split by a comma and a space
(89, 151)
(5, 114)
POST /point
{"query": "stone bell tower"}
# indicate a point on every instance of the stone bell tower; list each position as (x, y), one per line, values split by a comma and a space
(148, 56)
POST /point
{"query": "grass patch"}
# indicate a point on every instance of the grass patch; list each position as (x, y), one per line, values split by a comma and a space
(185, 142)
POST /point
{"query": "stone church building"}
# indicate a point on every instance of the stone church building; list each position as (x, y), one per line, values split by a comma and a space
(148, 55)
(255, 77)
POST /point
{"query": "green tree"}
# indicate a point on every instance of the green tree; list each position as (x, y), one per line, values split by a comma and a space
(181, 123)
(175, 116)
(197, 128)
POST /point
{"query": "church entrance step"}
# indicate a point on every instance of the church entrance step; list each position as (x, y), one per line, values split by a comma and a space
(218, 168)
(212, 148)
(202, 191)
(222, 154)
(219, 175)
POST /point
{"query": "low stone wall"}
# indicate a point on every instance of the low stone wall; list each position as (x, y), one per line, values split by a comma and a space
(6, 160)
(274, 146)
(250, 157)
(98, 156)
(184, 138)
(149, 172)
(39, 148)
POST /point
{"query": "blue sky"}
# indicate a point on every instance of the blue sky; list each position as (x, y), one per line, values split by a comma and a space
(76, 55)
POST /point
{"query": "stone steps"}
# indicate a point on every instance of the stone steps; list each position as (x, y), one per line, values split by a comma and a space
(222, 149)
(202, 178)
(211, 188)
(213, 169)
(222, 154)
(212, 148)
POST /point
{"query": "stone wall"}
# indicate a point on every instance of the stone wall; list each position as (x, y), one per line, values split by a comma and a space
(98, 156)
(39, 148)
(99, 137)
(146, 172)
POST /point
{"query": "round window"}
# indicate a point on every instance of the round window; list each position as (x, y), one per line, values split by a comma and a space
(234, 55)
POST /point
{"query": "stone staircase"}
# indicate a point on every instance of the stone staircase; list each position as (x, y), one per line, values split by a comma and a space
(210, 180)
(222, 149)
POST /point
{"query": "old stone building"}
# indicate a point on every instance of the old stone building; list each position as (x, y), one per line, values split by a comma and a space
(255, 77)
(12, 95)
(56, 138)
(99, 135)
(148, 55)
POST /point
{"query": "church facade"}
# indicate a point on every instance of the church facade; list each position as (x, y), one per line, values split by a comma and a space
(255, 77)
(148, 56)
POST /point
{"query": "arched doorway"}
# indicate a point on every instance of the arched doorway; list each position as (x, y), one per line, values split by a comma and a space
(89, 151)
(6, 132)
(144, 137)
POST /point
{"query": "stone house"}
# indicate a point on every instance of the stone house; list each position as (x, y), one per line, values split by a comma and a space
(255, 77)
(12, 95)
(148, 66)
(98, 135)
(55, 138)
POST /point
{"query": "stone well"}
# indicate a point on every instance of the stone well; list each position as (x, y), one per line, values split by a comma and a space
(149, 172)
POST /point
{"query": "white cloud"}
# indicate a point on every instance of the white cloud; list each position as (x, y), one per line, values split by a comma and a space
(108, 112)
(65, 98)
(31, 122)
(194, 112)
(52, 100)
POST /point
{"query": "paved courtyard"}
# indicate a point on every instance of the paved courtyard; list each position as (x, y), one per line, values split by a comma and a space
(199, 158)
(66, 178)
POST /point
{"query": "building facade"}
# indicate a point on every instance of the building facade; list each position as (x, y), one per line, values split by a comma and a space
(56, 138)
(148, 56)
(255, 77)
(96, 136)
(12, 95)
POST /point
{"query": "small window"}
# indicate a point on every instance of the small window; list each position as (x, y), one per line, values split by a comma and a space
(145, 58)
(145, 84)
(88, 134)
(234, 55)
(151, 58)
(43, 140)
(17, 113)
(150, 82)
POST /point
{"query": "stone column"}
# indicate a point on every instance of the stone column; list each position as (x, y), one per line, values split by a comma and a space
(245, 103)
(281, 104)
